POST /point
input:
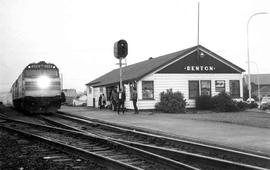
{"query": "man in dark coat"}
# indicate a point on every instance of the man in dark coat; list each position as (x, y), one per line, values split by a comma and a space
(114, 100)
(121, 101)
(134, 97)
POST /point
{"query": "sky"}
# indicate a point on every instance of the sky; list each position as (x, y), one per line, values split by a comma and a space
(78, 35)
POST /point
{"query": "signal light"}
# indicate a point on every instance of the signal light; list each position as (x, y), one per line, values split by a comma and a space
(120, 49)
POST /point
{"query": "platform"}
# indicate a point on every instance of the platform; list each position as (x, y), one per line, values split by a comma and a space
(250, 137)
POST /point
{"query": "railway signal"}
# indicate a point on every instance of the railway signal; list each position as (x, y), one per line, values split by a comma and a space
(120, 49)
(120, 52)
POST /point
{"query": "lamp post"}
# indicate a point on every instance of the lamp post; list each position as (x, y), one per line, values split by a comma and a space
(249, 85)
(258, 82)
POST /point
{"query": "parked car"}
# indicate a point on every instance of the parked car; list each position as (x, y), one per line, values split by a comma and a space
(80, 101)
(265, 103)
(251, 100)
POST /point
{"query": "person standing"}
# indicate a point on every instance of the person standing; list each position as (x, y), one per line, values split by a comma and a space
(114, 99)
(103, 100)
(134, 98)
(100, 102)
(121, 101)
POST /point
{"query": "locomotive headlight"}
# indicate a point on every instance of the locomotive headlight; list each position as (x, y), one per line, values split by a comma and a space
(43, 82)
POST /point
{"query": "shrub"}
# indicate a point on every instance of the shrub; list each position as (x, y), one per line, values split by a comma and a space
(265, 106)
(242, 106)
(204, 103)
(171, 102)
(224, 103)
(252, 105)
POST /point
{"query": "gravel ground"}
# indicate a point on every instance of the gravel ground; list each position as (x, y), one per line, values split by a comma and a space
(21, 154)
(14, 156)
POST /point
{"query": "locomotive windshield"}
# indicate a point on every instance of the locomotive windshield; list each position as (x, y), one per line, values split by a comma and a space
(38, 72)
(41, 68)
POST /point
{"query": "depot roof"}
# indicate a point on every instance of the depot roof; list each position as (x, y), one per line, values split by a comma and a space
(139, 70)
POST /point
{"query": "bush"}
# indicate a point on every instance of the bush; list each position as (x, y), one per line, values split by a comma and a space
(204, 103)
(224, 103)
(252, 105)
(265, 106)
(242, 105)
(171, 102)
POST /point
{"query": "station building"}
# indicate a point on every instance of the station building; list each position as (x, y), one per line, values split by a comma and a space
(193, 71)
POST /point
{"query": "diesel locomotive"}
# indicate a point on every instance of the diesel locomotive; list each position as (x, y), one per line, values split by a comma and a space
(38, 89)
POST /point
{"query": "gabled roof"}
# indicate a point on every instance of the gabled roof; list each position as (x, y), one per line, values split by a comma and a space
(263, 78)
(139, 70)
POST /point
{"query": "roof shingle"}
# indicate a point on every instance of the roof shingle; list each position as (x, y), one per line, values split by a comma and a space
(138, 70)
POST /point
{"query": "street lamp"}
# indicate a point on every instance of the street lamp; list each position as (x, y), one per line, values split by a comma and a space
(258, 82)
(249, 85)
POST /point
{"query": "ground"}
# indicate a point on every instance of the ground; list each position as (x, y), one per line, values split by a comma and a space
(249, 130)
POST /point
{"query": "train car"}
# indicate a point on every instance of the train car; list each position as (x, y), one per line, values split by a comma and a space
(38, 89)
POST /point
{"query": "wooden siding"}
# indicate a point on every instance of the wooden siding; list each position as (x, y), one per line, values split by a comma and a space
(179, 82)
(89, 96)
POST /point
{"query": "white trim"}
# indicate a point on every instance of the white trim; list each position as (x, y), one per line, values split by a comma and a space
(210, 54)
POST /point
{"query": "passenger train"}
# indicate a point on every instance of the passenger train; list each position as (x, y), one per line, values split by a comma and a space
(38, 89)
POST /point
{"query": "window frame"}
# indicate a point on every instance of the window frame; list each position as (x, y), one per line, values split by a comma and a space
(220, 89)
(101, 90)
(153, 90)
(238, 94)
(189, 90)
(201, 88)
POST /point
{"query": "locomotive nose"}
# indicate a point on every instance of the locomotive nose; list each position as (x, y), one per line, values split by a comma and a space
(43, 82)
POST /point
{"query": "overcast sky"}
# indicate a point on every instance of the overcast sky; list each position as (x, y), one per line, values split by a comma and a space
(78, 36)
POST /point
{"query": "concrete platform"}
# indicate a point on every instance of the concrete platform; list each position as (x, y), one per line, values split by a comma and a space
(243, 137)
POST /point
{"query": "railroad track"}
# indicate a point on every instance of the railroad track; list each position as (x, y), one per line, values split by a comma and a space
(20, 152)
(111, 154)
(195, 154)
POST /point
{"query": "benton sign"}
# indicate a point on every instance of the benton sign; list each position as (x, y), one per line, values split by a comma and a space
(200, 68)
(202, 63)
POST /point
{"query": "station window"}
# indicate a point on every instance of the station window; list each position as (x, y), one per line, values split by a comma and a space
(193, 89)
(101, 89)
(147, 90)
(220, 85)
(205, 87)
(235, 88)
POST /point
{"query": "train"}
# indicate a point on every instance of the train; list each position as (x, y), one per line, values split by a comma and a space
(37, 90)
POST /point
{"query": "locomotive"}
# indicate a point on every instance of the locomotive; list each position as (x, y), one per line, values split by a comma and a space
(37, 90)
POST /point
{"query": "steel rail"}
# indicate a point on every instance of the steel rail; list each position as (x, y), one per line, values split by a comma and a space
(230, 155)
(145, 157)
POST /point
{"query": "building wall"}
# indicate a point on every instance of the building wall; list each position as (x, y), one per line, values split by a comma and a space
(176, 82)
(89, 93)
(179, 82)
(93, 95)
(70, 95)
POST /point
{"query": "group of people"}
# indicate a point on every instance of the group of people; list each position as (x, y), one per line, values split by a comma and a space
(102, 101)
(118, 99)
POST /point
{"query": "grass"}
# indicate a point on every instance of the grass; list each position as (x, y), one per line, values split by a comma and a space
(248, 118)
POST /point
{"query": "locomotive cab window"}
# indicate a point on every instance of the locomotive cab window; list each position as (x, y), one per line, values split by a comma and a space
(36, 73)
